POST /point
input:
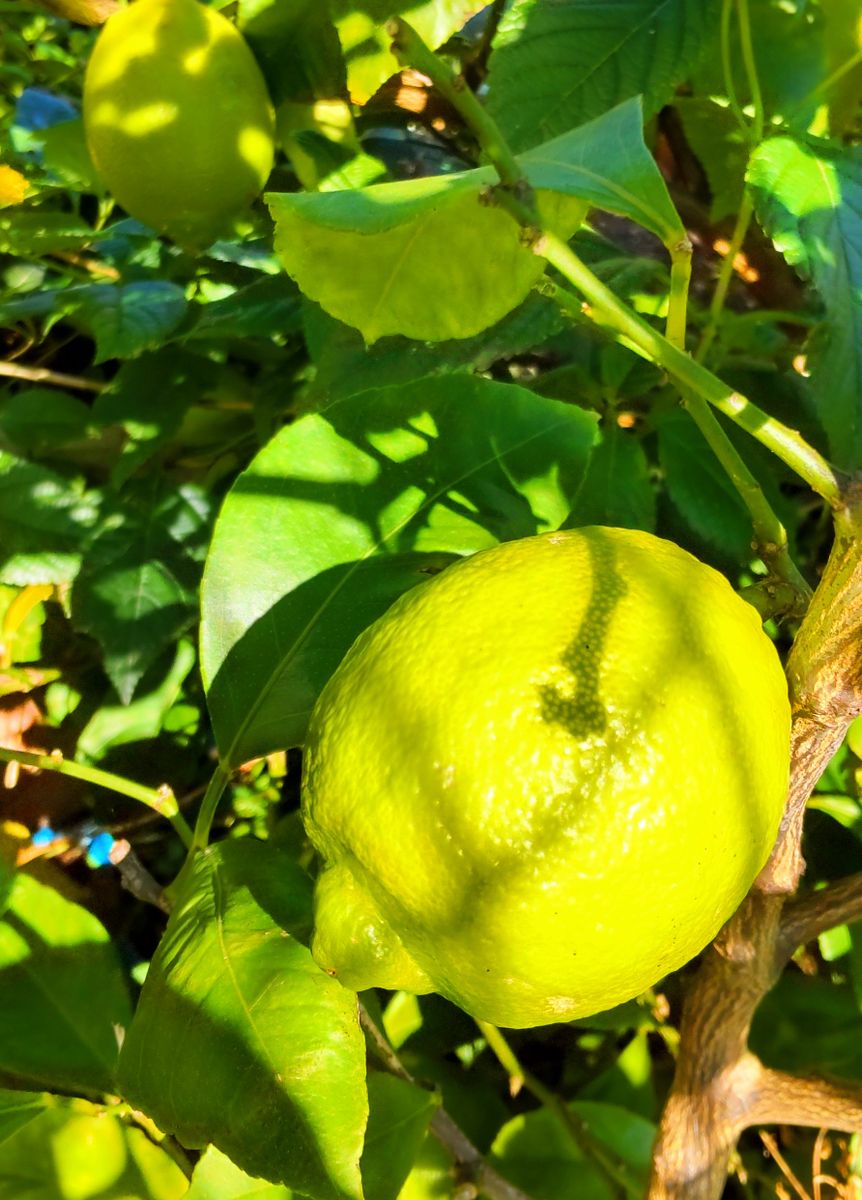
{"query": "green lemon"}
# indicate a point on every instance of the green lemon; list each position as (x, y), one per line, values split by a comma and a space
(545, 778)
(177, 117)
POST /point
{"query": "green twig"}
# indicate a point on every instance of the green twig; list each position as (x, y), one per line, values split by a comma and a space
(574, 1125)
(784, 442)
(750, 64)
(162, 800)
(215, 790)
(677, 306)
(727, 66)
(826, 85)
(725, 274)
(410, 50)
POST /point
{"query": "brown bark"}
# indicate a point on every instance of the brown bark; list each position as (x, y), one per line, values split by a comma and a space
(720, 1088)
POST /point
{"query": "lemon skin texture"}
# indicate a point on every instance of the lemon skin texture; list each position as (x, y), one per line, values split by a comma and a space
(177, 118)
(545, 778)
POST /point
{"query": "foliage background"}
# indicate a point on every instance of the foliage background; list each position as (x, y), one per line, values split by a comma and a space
(145, 391)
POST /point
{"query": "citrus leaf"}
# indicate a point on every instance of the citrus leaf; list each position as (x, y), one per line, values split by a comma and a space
(399, 1115)
(39, 418)
(63, 999)
(421, 258)
(346, 509)
(701, 490)
(808, 197)
(125, 319)
(64, 1155)
(217, 1178)
(238, 1031)
(425, 258)
(17, 1109)
(615, 489)
(606, 163)
(43, 521)
(557, 65)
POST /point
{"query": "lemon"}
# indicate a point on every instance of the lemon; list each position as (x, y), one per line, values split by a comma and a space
(177, 118)
(545, 778)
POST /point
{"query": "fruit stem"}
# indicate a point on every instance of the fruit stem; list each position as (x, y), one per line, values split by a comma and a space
(574, 1125)
(770, 536)
(161, 800)
(515, 196)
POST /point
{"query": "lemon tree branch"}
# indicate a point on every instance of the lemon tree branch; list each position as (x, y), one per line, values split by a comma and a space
(161, 800)
(470, 1164)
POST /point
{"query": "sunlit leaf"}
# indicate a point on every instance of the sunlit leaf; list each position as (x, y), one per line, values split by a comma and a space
(238, 1031)
(345, 510)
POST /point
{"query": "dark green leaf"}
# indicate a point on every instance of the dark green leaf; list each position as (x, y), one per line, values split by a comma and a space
(715, 137)
(615, 489)
(267, 308)
(116, 724)
(239, 1032)
(345, 365)
(43, 521)
(125, 319)
(40, 418)
(808, 197)
(297, 46)
(347, 509)
(149, 398)
(136, 591)
(63, 1001)
(557, 65)
(17, 1109)
(32, 233)
(399, 1114)
(701, 489)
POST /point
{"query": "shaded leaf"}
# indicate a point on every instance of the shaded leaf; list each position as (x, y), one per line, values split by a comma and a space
(64, 1155)
(43, 522)
(297, 47)
(701, 489)
(263, 309)
(238, 1031)
(17, 1109)
(116, 724)
(557, 65)
(615, 489)
(536, 1152)
(136, 591)
(399, 1114)
(125, 319)
(345, 510)
(715, 137)
(345, 365)
(63, 999)
(39, 418)
(808, 197)
(28, 233)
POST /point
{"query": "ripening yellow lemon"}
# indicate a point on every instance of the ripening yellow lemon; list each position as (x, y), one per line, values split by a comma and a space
(178, 119)
(545, 778)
